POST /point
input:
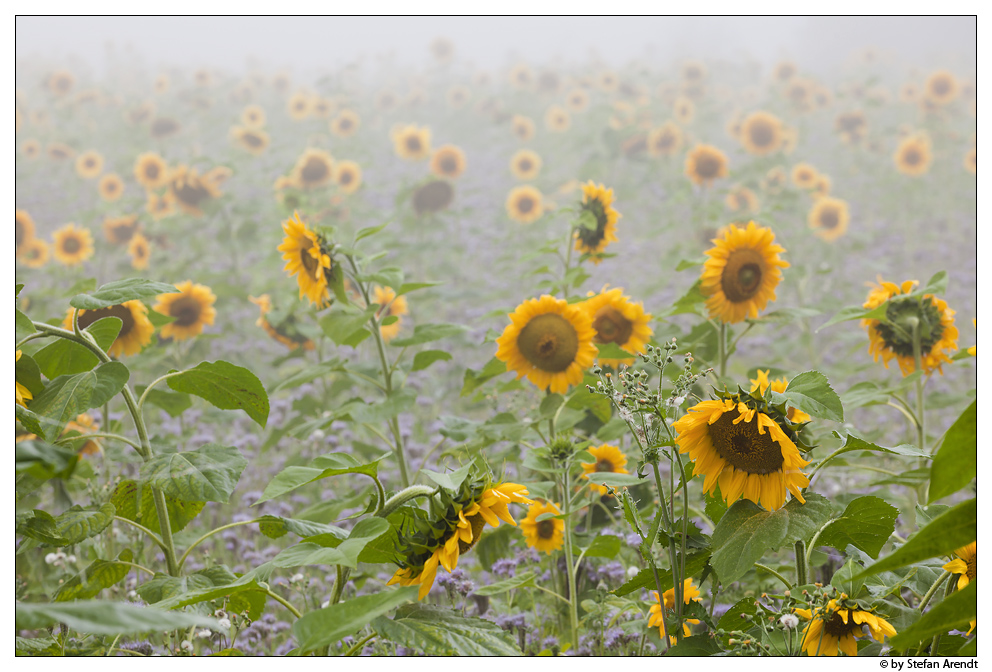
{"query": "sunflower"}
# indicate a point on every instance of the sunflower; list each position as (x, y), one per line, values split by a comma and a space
(742, 272)
(667, 600)
(784, 71)
(746, 451)
(684, 110)
(189, 190)
(60, 82)
(23, 394)
(136, 330)
(313, 169)
(151, 171)
(804, 175)
(448, 161)
(345, 124)
(89, 164)
(965, 564)
(160, 206)
(893, 338)
(525, 204)
(163, 127)
(412, 143)
(23, 229)
(704, 164)
(774, 180)
(822, 187)
(285, 331)
(743, 200)
(192, 306)
(761, 133)
(34, 253)
(299, 106)
(521, 76)
(557, 119)
(693, 71)
(836, 627)
(761, 383)
(433, 196)
(549, 341)
(60, 151)
(389, 305)
(799, 92)
(348, 176)
(617, 319)
(597, 200)
(607, 81)
(852, 126)
(665, 140)
(971, 161)
(307, 258)
(254, 140)
(913, 156)
(120, 230)
(941, 88)
(253, 116)
(161, 84)
(110, 186)
(829, 218)
(525, 164)
(72, 245)
(322, 107)
(523, 127)
(547, 535)
(609, 459)
(140, 250)
(577, 100)
(31, 149)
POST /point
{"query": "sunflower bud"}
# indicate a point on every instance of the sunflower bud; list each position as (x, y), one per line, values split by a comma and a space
(561, 448)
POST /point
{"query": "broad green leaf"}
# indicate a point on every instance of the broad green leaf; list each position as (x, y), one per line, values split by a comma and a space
(408, 287)
(389, 276)
(28, 420)
(936, 285)
(473, 379)
(334, 464)
(399, 401)
(346, 553)
(111, 377)
(687, 303)
(843, 579)
(856, 313)
(437, 631)
(603, 546)
(867, 523)
(119, 291)
(247, 584)
(64, 357)
(523, 580)
(134, 501)
(806, 519)
(226, 386)
(173, 403)
(27, 373)
(694, 564)
(63, 399)
(811, 392)
(425, 358)
(40, 525)
(599, 405)
(950, 530)
(954, 466)
(784, 315)
(425, 333)
(694, 646)
(163, 586)
(611, 351)
(101, 617)
(369, 231)
(81, 287)
(615, 480)
(494, 545)
(78, 523)
(43, 460)
(339, 326)
(952, 613)
(208, 474)
(309, 373)
(275, 527)
(731, 620)
(23, 327)
(326, 626)
(450, 481)
(853, 442)
(99, 575)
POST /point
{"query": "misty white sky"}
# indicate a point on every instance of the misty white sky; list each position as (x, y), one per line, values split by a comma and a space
(305, 45)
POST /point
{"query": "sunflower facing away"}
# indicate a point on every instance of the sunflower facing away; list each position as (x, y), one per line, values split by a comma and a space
(345, 124)
(619, 320)
(557, 119)
(348, 176)
(284, 332)
(743, 450)
(836, 627)
(761, 383)
(704, 164)
(546, 535)
(136, 330)
(913, 156)
(72, 245)
(23, 229)
(110, 187)
(193, 308)
(609, 460)
(412, 143)
(313, 169)
(253, 116)
(523, 127)
(255, 140)
(742, 271)
(308, 259)
(761, 133)
(549, 341)
(525, 164)
(60, 82)
(120, 230)
(189, 190)
(151, 171)
(665, 140)
(389, 305)
(829, 218)
(689, 593)
(140, 250)
(448, 161)
(893, 339)
(89, 164)
(941, 88)
(525, 204)
(597, 200)
(433, 197)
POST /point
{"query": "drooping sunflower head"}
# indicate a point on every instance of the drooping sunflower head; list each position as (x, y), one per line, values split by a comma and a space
(254, 140)
(448, 161)
(72, 245)
(704, 164)
(829, 218)
(548, 341)
(299, 106)
(120, 230)
(345, 124)
(598, 201)
(193, 308)
(151, 171)
(804, 175)
(762, 383)
(313, 169)
(89, 164)
(577, 100)
(546, 535)
(617, 319)
(761, 133)
(348, 176)
(742, 200)
(136, 329)
(525, 164)
(140, 250)
(111, 186)
(281, 326)
(665, 140)
(965, 564)
(557, 119)
(160, 206)
(525, 204)
(34, 253)
(23, 229)
(892, 338)
(609, 459)
(307, 257)
(742, 271)
(523, 127)
(835, 628)
(163, 127)
(433, 197)
(253, 116)
(412, 143)
(189, 190)
(913, 156)
(941, 87)
(390, 305)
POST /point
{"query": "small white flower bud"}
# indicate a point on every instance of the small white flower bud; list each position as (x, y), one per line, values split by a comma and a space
(203, 634)
(325, 604)
(789, 621)
(186, 646)
(224, 623)
(51, 558)
(317, 435)
(296, 578)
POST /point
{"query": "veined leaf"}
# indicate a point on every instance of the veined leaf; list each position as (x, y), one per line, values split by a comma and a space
(443, 632)
(226, 386)
(867, 523)
(134, 501)
(954, 466)
(325, 626)
(64, 357)
(101, 617)
(207, 474)
(63, 399)
(119, 291)
(334, 464)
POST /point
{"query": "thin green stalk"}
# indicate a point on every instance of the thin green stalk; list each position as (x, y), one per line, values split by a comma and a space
(359, 645)
(341, 574)
(141, 400)
(933, 589)
(573, 598)
(802, 566)
(149, 572)
(935, 644)
(99, 435)
(723, 349)
(778, 576)
(403, 496)
(921, 433)
(283, 602)
(677, 579)
(209, 534)
(154, 537)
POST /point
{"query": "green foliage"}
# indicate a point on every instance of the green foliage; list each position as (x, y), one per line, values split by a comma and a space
(436, 631)
(867, 523)
(133, 500)
(603, 546)
(119, 291)
(80, 523)
(333, 464)
(326, 626)
(425, 358)
(345, 553)
(341, 326)
(811, 393)
(694, 564)
(208, 474)
(173, 403)
(100, 617)
(99, 575)
(65, 357)
(954, 466)
(226, 386)
(43, 460)
(425, 333)
(952, 613)
(523, 580)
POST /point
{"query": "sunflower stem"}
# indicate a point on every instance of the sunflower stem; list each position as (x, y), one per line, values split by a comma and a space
(677, 579)
(573, 606)
(403, 496)
(933, 590)
(802, 568)
(921, 433)
(936, 638)
(723, 349)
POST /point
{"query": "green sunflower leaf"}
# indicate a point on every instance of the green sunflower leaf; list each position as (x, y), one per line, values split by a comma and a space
(855, 313)
(345, 553)
(64, 357)
(111, 377)
(603, 546)
(810, 392)
(208, 474)
(275, 527)
(937, 285)
(173, 403)
(326, 626)
(134, 501)
(43, 460)
(437, 631)
(687, 303)
(425, 358)
(78, 523)
(408, 287)
(64, 398)
(954, 612)
(451, 480)
(611, 351)
(425, 333)
(520, 581)
(23, 327)
(867, 523)
(226, 386)
(27, 373)
(101, 617)
(333, 464)
(694, 564)
(474, 379)
(100, 574)
(369, 231)
(954, 466)
(117, 292)
(339, 326)
(28, 420)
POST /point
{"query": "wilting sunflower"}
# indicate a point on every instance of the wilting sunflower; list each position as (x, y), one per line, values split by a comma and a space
(913, 156)
(23, 229)
(667, 600)
(617, 319)
(971, 161)
(577, 100)
(761, 133)
(804, 175)
(120, 230)
(189, 190)
(193, 308)
(761, 383)
(253, 116)
(136, 330)
(448, 161)
(704, 164)
(412, 143)
(432, 197)
(348, 176)
(345, 124)
(22, 394)
(89, 164)
(299, 106)
(34, 253)
(941, 88)
(742, 271)
(523, 127)
(598, 200)
(836, 627)
(965, 564)
(746, 446)
(893, 338)
(307, 258)
(72, 245)
(140, 250)
(549, 341)
(742, 200)
(151, 171)
(60, 151)
(160, 206)
(110, 186)
(389, 305)
(285, 331)
(60, 82)
(609, 460)
(525, 164)
(313, 169)
(683, 110)
(31, 149)
(665, 140)
(546, 535)
(557, 119)
(255, 140)
(525, 204)
(829, 218)
(163, 127)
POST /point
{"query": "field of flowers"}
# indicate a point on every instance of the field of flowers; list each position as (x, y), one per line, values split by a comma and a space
(676, 359)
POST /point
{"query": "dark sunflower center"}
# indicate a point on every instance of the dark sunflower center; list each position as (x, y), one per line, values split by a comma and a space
(162, 127)
(152, 171)
(525, 165)
(89, 163)
(191, 193)
(829, 218)
(346, 177)
(525, 204)
(432, 197)
(762, 134)
(742, 446)
(836, 627)
(972, 563)
(309, 263)
(897, 333)
(252, 140)
(122, 232)
(413, 143)
(314, 170)
(449, 165)
(186, 310)
(707, 166)
(665, 141)
(912, 157)
(110, 187)
(86, 318)
(345, 124)
(477, 522)
(71, 245)
(742, 275)
(611, 326)
(941, 87)
(605, 466)
(546, 528)
(549, 342)
(591, 238)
